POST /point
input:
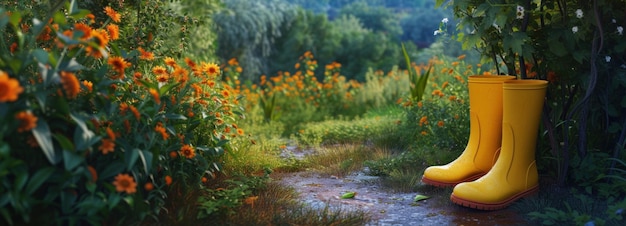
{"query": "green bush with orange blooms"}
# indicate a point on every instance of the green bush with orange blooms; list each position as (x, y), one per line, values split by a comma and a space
(87, 137)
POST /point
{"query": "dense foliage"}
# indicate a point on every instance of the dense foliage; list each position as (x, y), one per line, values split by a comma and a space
(95, 127)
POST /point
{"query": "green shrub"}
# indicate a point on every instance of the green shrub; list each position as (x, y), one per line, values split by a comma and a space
(87, 137)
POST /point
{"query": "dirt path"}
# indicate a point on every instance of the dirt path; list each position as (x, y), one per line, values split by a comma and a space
(388, 208)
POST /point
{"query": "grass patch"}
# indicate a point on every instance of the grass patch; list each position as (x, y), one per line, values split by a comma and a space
(275, 205)
(342, 159)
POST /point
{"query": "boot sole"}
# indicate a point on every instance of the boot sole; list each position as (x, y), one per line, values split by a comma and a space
(493, 206)
(450, 184)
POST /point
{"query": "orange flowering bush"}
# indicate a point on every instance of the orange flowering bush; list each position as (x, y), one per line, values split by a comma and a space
(440, 121)
(90, 135)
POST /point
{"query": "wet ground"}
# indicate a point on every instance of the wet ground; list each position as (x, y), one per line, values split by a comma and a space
(388, 208)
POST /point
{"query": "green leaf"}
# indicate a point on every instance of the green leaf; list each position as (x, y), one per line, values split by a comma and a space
(111, 170)
(4, 19)
(175, 116)
(131, 157)
(64, 142)
(38, 179)
(40, 55)
(59, 18)
(348, 195)
(15, 18)
(20, 180)
(114, 198)
(83, 136)
(420, 198)
(71, 160)
(146, 159)
(44, 139)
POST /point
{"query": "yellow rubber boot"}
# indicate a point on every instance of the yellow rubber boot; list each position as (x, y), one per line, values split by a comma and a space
(515, 173)
(485, 99)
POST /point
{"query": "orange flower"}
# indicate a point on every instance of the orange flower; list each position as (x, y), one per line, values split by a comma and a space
(159, 70)
(125, 183)
(173, 154)
(13, 47)
(204, 179)
(114, 31)
(232, 61)
(135, 112)
(145, 55)
(168, 180)
(240, 131)
(27, 120)
(169, 61)
(212, 69)
(119, 64)
(93, 172)
(440, 123)
(70, 84)
(225, 93)
(107, 146)
(112, 14)
(110, 133)
(10, 88)
(551, 77)
(91, 17)
(84, 29)
(424, 133)
(148, 186)
(452, 98)
(423, 121)
(160, 129)
(190, 62)
(88, 85)
(461, 57)
(163, 78)
(155, 95)
(420, 104)
(250, 200)
(188, 151)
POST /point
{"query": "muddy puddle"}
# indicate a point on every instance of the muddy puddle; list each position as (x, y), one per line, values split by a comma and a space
(389, 208)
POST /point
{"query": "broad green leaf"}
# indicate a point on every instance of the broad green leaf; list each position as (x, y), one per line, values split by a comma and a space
(112, 169)
(15, 18)
(64, 141)
(130, 157)
(38, 179)
(146, 160)
(71, 160)
(59, 18)
(83, 136)
(44, 138)
(114, 198)
(420, 198)
(20, 180)
(40, 55)
(4, 19)
(175, 116)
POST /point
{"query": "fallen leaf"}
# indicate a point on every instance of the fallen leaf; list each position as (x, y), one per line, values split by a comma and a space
(420, 198)
(348, 195)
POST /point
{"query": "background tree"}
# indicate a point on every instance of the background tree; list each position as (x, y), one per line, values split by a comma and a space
(248, 30)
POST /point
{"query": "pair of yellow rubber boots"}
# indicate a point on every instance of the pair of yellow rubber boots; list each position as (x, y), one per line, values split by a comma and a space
(498, 165)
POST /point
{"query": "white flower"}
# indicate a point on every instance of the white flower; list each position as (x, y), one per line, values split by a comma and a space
(520, 12)
(575, 29)
(437, 32)
(579, 13)
(614, 21)
(607, 58)
(620, 30)
(445, 20)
